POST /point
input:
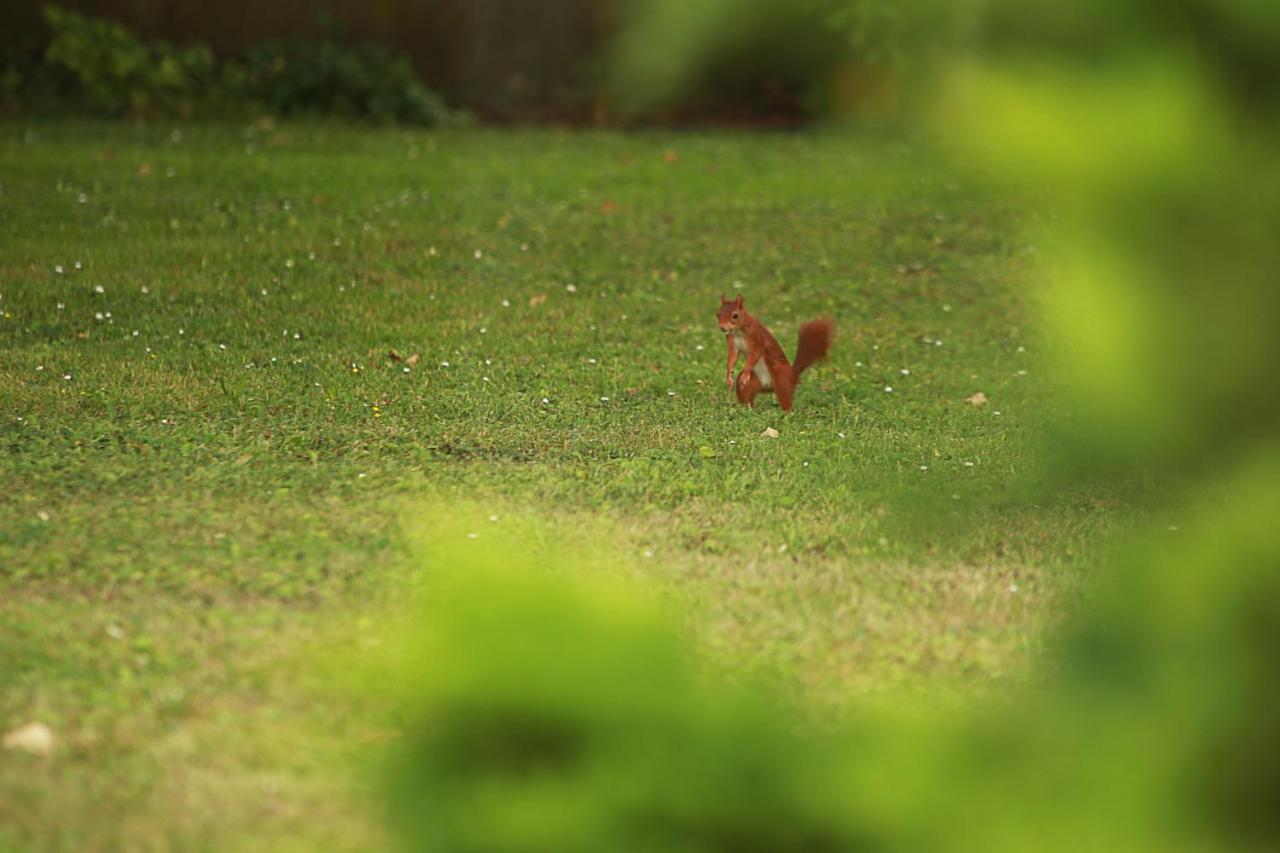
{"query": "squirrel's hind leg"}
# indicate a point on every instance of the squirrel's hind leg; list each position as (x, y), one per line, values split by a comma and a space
(784, 385)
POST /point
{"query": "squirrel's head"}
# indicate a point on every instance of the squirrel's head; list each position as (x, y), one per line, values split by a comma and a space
(730, 314)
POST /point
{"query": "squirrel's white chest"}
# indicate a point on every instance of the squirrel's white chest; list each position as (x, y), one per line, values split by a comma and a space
(761, 369)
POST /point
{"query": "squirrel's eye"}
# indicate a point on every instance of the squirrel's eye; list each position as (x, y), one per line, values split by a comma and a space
(735, 315)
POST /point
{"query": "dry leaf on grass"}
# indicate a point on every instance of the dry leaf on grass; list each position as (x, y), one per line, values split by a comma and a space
(769, 432)
(35, 738)
(978, 399)
(537, 299)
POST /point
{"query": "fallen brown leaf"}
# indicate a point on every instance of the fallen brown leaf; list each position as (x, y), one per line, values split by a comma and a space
(537, 299)
(35, 738)
(412, 360)
(978, 399)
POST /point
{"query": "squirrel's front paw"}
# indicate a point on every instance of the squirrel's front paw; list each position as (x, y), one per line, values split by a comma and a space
(743, 378)
(728, 381)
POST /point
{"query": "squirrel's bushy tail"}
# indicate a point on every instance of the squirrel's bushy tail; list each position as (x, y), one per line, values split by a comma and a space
(815, 340)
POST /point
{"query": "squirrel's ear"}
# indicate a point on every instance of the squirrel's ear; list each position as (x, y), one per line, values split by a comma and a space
(738, 301)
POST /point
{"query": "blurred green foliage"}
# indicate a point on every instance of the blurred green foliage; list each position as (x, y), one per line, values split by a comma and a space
(544, 705)
(1155, 138)
(547, 706)
(322, 77)
(102, 68)
(116, 72)
(838, 58)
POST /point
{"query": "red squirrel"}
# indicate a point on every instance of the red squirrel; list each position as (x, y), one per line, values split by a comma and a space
(767, 368)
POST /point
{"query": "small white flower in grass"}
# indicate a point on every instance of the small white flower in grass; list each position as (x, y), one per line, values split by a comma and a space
(805, 464)
(857, 364)
(924, 467)
(699, 347)
(406, 370)
(297, 336)
(145, 289)
(361, 476)
(488, 361)
(444, 364)
(288, 264)
(604, 399)
(572, 288)
(545, 401)
(39, 367)
(1173, 527)
(311, 256)
(66, 376)
(937, 343)
(61, 306)
(43, 516)
(493, 518)
(479, 254)
(840, 435)
(1022, 373)
(1022, 349)
(671, 393)
(888, 389)
(135, 333)
(485, 378)
(149, 350)
(1013, 587)
(263, 291)
(782, 549)
(647, 552)
(524, 247)
(58, 269)
(968, 464)
(97, 288)
(337, 242)
(182, 331)
(875, 346)
(591, 361)
(77, 265)
(996, 413)
(108, 315)
(431, 250)
(222, 346)
(905, 372)
(473, 535)
(484, 330)
(83, 198)
(946, 307)
(97, 315)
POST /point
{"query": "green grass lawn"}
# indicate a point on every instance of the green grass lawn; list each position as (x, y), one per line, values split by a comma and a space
(210, 457)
